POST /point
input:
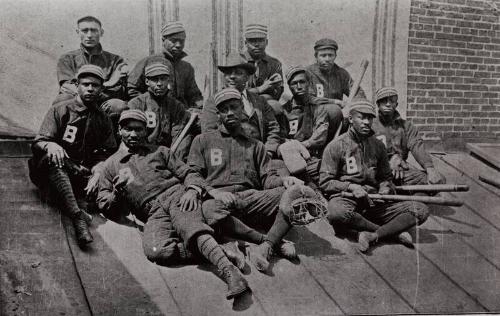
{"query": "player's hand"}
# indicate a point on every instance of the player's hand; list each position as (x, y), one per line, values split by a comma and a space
(226, 197)
(358, 191)
(288, 181)
(270, 83)
(189, 201)
(120, 184)
(398, 167)
(56, 154)
(434, 177)
(385, 190)
(92, 184)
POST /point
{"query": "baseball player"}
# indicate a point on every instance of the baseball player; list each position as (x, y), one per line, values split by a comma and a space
(267, 80)
(257, 113)
(114, 67)
(235, 167)
(74, 136)
(400, 137)
(357, 162)
(166, 116)
(329, 82)
(183, 86)
(148, 178)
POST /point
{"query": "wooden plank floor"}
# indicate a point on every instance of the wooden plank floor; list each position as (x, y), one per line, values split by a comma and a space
(454, 268)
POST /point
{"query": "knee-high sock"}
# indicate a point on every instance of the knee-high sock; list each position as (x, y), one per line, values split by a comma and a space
(59, 180)
(359, 223)
(211, 250)
(236, 228)
(400, 223)
(279, 229)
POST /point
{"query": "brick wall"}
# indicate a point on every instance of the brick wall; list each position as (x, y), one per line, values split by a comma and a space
(454, 68)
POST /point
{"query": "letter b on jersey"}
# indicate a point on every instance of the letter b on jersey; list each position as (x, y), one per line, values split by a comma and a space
(320, 91)
(351, 165)
(151, 116)
(215, 157)
(70, 134)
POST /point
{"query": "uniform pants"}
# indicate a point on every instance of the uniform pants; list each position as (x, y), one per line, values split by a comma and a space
(310, 176)
(343, 211)
(255, 208)
(170, 235)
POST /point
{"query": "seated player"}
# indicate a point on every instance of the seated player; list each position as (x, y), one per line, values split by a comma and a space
(357, 162)
(75, 135)
(148, 179)
(256, 111)
(400, 137)
(239, 180)
(166, 116)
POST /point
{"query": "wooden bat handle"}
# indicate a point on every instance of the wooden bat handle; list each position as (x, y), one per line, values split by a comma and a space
(490, 181)
(434, 188)
(415, 198)
(186, 128)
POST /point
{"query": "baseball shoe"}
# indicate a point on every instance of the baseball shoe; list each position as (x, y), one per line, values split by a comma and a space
(234, 254)
(82, 232)
(259, 256)
(405, 239)
(287, 250)
(236, 283)
(365, 239)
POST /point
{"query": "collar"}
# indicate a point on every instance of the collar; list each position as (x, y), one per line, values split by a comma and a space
(396, 117)
(244, 94)
(97, 49)
(225, 133)
(249, 58)
(78, 105)
(171, 57)
(352, 133)
(124, 152)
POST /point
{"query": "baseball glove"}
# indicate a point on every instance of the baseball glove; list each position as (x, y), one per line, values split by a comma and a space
(302, 205)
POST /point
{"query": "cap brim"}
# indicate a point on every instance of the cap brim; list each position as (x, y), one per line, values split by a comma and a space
(248, 67)
(90, 73)
(326, 47)
(364, 111)
(155, 73)
(293, 73)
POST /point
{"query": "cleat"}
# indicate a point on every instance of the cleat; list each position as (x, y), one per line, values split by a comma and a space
(259, 256)
(365, 239)
(287, 250)
(234, 254)
(82, 232)
(405, 239)
(236, 283)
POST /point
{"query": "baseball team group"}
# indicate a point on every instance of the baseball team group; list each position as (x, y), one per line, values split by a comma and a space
(235, 171)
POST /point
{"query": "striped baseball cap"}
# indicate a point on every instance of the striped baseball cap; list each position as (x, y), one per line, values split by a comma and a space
(226, 94)
(362, 106)
(292, 71)
(91, 69)
(134, 114)
(255, 31)
(325, 43)
(156, 69)
(385, 92)
(172, 27)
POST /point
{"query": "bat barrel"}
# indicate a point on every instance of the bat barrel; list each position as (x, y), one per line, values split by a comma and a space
(424, 199)
(434, 188)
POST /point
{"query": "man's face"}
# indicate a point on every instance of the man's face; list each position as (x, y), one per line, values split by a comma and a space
(174, 43)
(89, 88)
(90, 34)
(387, 106)
(133, 133)
(231, 113)
(299, 84)
(361, 122)
(326, 58)
(236, 78)
(157, 85)
(256, 46)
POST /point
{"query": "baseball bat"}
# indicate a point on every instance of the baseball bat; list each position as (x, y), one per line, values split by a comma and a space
(354, 90)
(423, 199)
(490, 181)
(434, 188)
(184, 131)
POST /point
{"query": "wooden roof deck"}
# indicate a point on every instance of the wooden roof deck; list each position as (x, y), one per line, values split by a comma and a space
(455, 267)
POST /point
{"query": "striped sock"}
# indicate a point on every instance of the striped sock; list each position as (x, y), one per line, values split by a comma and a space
(211, 250)
(59, 179)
